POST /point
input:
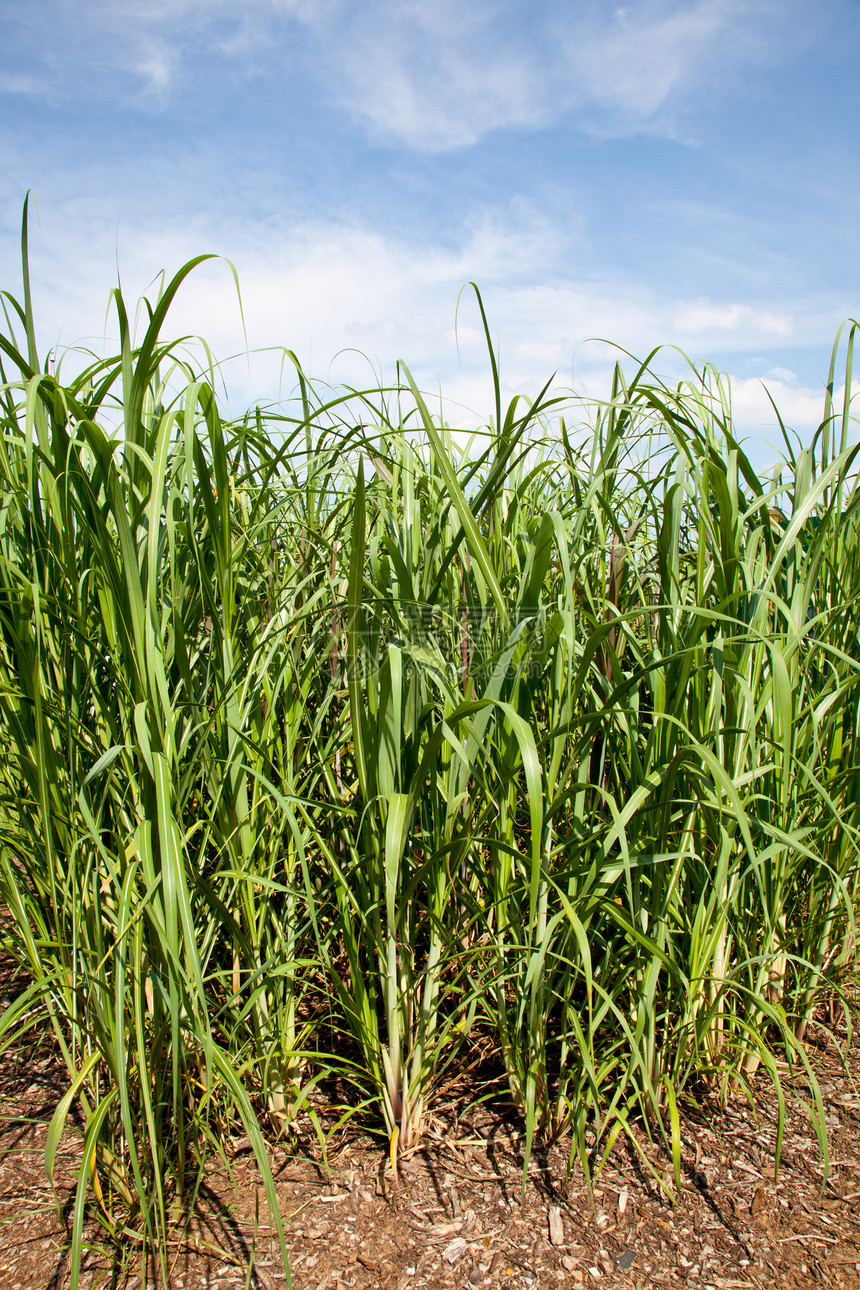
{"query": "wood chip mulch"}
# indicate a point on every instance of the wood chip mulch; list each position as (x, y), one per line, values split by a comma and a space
(457, 1216)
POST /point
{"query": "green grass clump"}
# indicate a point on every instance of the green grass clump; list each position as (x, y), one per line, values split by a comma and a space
(330, 722)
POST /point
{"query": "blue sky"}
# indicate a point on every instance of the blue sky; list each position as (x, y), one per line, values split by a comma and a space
(658, 172)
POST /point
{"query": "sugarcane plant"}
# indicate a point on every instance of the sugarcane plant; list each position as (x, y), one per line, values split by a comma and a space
(345, 744)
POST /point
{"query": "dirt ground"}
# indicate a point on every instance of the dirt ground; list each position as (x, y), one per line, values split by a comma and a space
(457, 1217)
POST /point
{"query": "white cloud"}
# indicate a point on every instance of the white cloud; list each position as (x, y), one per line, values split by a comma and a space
(706, 316)
(330, 290)
(801, 407)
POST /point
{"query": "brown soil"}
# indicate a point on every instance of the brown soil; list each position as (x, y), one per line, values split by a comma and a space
(457, 1216)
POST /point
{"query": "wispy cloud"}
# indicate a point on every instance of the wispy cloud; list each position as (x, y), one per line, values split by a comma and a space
(633, 64)
(15, 83)
(155, 63)
(437, 74)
